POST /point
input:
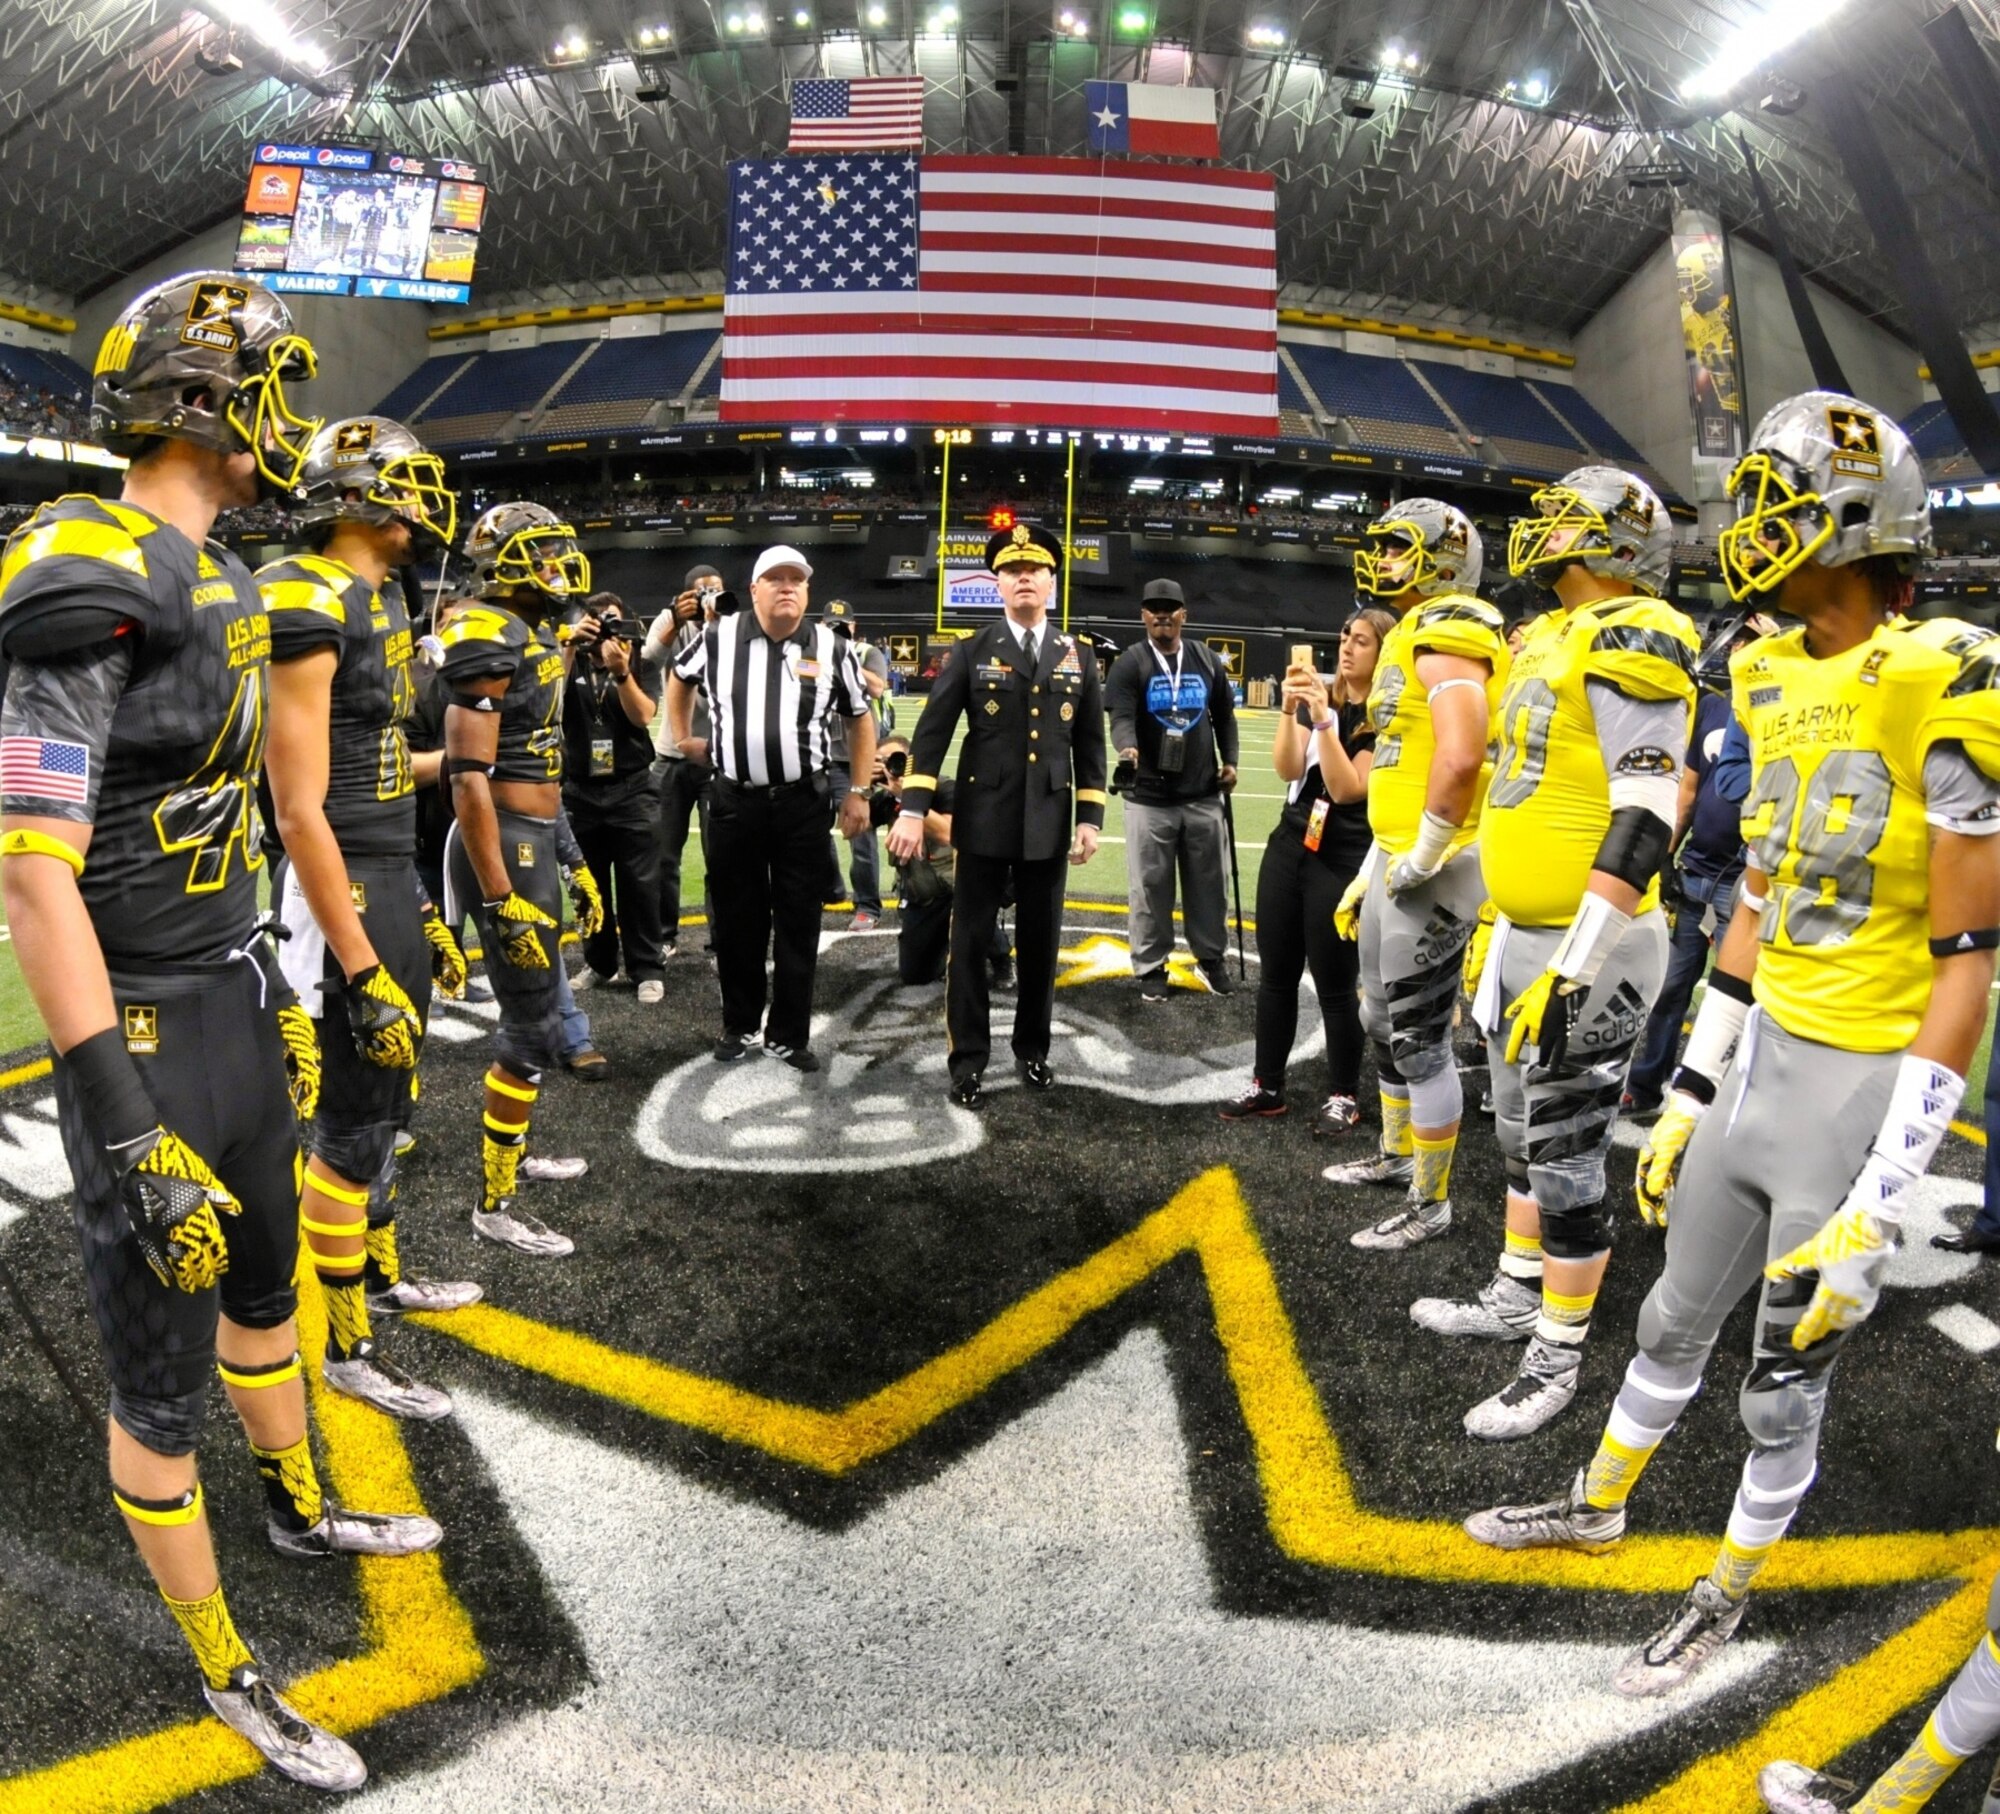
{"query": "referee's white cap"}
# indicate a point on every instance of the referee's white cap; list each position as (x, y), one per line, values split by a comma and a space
(780, 556)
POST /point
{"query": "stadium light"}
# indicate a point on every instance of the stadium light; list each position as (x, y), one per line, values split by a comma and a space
(261, 21)
(878, 15)
(655, 34)
(1754, 43)
(802, 18)
(1267, 37)
(1133, 21)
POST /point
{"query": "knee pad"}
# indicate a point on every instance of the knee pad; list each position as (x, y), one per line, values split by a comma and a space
(529, 1050)
(1375, 1022)
(1386, 1072)
(359, 1154)
(1666, 1334)
(1581, 1232)
(1437, 1098)
(1517, 1176)
(1780, 1407)
(167, 1426)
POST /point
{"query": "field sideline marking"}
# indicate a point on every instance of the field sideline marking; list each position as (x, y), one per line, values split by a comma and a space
(421, 1641)
(1311, 1505)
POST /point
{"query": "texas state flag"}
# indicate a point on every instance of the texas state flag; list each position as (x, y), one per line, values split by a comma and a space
(1141, 118)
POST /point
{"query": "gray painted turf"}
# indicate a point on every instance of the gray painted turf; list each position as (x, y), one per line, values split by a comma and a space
(1065, 1595)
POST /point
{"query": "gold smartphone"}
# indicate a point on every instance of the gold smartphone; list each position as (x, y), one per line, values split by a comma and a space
(1302, 656)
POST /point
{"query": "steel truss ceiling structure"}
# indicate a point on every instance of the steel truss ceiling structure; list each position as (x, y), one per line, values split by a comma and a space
(126, 127)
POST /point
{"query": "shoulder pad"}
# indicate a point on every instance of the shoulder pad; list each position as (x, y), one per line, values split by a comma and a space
(1459, 624)
(300, 583)
(1644, 648)
(1968, 711)
(479, 644)
(79, 557)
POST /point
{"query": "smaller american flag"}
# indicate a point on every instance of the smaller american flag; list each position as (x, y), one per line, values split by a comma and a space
(32, 768)
(868, 113)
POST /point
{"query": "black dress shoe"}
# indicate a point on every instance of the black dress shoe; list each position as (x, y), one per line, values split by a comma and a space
(1967, 1240)
(1035, 1073)
(966, 1093)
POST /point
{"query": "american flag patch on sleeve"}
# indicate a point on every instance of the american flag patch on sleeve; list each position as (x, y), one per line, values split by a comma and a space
(36, 769)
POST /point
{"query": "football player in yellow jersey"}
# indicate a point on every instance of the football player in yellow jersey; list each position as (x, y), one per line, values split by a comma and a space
(1865, 938)
(1418, 894)
(1581, 810)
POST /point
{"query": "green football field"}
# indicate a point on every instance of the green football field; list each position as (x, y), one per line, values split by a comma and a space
(1259, 800)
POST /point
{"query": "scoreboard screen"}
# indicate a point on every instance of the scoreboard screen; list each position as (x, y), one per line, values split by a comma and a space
(345, 220)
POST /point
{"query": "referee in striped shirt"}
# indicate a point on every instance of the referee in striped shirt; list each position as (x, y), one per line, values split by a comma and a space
(772, 683)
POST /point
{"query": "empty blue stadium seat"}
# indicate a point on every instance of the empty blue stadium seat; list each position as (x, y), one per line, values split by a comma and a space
(654, 366)
(44, 371)
(1492, 405)
(1934, 432)
(398, 404)
(1360, 384)
(1598, 435)
(510, 381)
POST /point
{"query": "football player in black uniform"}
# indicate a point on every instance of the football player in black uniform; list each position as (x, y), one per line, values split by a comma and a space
(504, 674)
(364, 937)
(131, 733)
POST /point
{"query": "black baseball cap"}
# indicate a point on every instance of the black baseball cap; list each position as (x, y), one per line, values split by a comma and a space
(1165, 593)
(700, 571)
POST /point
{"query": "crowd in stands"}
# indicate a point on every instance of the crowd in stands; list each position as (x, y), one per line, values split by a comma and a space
(30, 409)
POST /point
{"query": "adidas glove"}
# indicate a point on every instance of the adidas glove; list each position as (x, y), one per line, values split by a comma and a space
(1851, 1253)
(515, 927)
(171, 1200)
(584, 900)
(1545, 1013)
(1478, 946)
(447, 961)
(301, 1039)
(383, 1020)
(1421, 862)
(1660, 1157)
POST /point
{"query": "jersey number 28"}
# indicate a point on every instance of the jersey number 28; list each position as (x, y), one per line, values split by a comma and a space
(1828, 830)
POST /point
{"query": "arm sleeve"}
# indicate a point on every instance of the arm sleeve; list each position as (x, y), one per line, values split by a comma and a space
(1121, 702)
(569, 853)
(691, 660)
(1958, 795)
(1087, 759)
(1638, 736)
(65, 704)
(934, 728)
(1222, 704)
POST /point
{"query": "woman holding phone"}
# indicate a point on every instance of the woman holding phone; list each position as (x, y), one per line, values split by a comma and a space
(1322, 751)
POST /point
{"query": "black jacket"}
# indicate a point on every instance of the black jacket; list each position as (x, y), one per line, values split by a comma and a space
(1030, 739)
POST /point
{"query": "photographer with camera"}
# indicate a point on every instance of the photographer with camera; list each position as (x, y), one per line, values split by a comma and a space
(1173, 725)
(608, 708)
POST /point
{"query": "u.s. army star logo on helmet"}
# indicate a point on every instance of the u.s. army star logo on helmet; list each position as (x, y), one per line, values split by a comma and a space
(209, 315)
(1857, 443)
(351, 442)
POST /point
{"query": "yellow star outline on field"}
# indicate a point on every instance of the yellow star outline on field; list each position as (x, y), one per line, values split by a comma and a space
(1312, 1508)
(1101, 957)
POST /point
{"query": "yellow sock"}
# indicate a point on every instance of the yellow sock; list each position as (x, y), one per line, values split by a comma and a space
(347, 1324)
(1738, 1565)
(1565, 1320)
(211, 1635)
(1911, 1781)
(500, 1148)
(1521, 1258)
(384, 1262)
(1614, 1471)
(291, 1484)
(1433, 1181)
(1397, 1140)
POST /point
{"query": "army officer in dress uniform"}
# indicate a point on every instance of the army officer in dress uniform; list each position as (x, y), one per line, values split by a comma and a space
(1034, 712)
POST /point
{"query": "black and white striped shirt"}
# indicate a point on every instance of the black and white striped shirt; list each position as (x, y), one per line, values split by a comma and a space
(769, 703)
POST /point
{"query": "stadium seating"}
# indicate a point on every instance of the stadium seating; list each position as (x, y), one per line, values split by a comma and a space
(1520, 430)
(56, 372)
(402, 403)
(1384, 408)
(1587, 425)
(492, 390)
(622, 383)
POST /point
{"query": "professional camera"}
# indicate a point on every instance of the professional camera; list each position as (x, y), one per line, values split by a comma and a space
(612, 627)
(1123, 776)
(725, 604)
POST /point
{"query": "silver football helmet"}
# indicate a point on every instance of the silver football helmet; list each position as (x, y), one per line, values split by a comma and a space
(369, 469)
(1828, 480)
(526, 547)
(1420, 545)
(1622, 530)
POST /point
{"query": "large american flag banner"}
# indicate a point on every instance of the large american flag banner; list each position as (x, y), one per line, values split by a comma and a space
(868, 113)
(1057, 292)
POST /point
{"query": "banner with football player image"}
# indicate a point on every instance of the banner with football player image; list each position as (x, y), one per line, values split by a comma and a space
(1708, 334)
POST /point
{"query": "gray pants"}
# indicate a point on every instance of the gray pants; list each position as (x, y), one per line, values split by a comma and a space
(1412, 957)
(1555, 1122)
(1189, 836)
(1751, 1189)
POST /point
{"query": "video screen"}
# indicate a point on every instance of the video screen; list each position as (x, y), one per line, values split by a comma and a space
(343, 220)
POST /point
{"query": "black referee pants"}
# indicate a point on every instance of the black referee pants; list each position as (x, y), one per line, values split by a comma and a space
(980, 887)
(766, 859)
(616, 826)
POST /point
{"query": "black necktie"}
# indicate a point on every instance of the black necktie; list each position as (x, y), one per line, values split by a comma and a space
(1028, 645)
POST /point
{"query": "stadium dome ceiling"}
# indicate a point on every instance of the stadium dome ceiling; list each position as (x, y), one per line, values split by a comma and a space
(1487, 178)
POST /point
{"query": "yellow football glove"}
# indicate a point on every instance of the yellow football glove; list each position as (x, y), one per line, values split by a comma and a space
(301, 1037)
(1543, 1014)
(584, 900)
(1347, 915)
(1660, 1157)
(1481, 943)
(171, 1199)
(1850, 1254)
(515, 925)
(447, 961)
(383, 1019)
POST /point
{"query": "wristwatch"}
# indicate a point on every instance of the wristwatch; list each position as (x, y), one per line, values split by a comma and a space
(858, 790)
